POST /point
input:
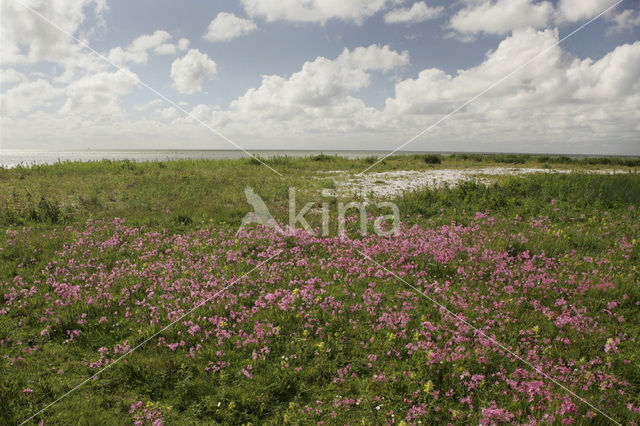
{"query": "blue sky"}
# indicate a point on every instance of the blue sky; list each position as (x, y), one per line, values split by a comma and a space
(312, 74)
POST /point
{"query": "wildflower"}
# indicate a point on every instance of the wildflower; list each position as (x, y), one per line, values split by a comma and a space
(428, 387)
(612, 345)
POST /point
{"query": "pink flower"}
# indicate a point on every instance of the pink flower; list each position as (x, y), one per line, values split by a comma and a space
(612, 345)
(493, 414)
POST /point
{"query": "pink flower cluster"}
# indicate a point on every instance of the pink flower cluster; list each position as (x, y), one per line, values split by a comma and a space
(319, 302)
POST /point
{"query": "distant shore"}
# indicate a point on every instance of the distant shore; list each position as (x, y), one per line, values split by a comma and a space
(12, 158)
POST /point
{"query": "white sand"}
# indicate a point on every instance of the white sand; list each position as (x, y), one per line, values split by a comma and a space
(390, 184)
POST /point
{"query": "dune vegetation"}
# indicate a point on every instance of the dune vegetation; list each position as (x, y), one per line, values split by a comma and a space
(512, 302)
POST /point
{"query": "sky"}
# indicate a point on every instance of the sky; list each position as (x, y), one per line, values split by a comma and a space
(463, 75)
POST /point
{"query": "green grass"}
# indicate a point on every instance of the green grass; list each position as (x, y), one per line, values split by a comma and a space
(583, 216)
(186, 192)
(550, 194)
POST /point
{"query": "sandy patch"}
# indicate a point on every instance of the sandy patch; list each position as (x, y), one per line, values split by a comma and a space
(392, 183)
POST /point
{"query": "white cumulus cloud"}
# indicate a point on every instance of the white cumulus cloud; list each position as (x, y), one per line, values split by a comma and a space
(138, 51)
(504, 16)
(501, 16)
(625, 20)
(98, 94)
(227, 26)
(28, 96)
(172, 48)
(11, 76)
(314, 10)
(191, 70)
(418, 12)
(577, 10)
(27, 39)
(320, 83)
(556, 99)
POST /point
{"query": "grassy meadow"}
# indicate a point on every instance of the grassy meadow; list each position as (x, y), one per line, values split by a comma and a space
(515, 302)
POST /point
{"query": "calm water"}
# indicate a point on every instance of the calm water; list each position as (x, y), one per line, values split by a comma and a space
(12, 158)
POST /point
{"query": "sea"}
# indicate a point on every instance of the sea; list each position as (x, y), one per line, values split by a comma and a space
(13, 158)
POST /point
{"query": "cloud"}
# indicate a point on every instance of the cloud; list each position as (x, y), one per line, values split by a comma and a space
(435, 91)
(172, 48)
(227, 26)
(419, 12)
(191, 70)
(373, 58)
(27, 38)
(615, 76)
(625, 20)
(578, 10)
(556, 99)
(147, 105)
(11, 76)
(559, 102)
(504, 16)
(501, 16)
(98, 94)
(320, 83)
(167, 114)
(138, 51)
(319, 11)
(28, 96)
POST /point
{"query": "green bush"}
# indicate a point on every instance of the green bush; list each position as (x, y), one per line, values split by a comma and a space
(432, 159)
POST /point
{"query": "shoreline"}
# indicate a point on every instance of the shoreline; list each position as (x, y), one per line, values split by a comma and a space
(16, 158)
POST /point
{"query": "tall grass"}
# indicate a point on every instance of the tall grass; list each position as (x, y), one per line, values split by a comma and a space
(182, 192)
(528, 196)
